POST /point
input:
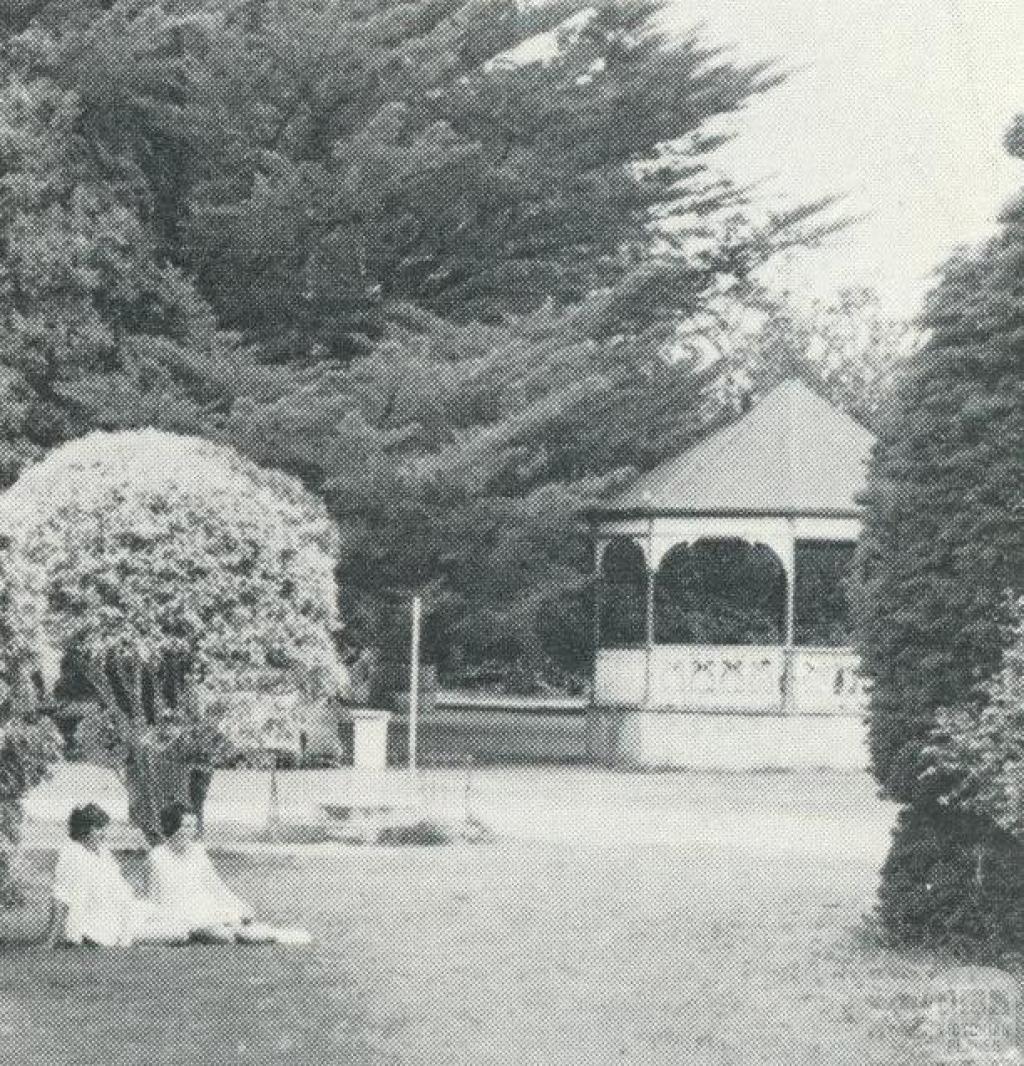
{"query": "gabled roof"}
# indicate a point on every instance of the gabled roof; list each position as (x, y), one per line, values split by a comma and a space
(793, 453)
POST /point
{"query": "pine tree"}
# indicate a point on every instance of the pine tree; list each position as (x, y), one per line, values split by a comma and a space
(316, 164)
(94, 328)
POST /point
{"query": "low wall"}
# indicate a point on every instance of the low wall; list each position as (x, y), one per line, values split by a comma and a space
(664, 738)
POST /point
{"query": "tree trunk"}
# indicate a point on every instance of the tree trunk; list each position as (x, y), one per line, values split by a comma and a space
(161, 766)
(198, 787)
(158, 773)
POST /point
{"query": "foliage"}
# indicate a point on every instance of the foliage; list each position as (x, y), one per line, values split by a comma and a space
(176, 570)
(953, 881)
(944, 535)
(939, 574)
(463, 240)
(314, 163)
(456, 461)
(982, 748)
(720, 592)
(29, 743)
(849, 349)
(94, 329)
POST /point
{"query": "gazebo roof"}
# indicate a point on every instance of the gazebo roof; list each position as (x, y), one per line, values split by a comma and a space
(793, 453)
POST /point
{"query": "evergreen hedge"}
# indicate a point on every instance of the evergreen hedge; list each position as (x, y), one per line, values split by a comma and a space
(939, 568)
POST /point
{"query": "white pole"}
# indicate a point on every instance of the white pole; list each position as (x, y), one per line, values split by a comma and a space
(414, 683)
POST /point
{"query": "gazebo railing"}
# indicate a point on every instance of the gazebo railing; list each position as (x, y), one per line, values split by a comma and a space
(745, 679)
(826, 681)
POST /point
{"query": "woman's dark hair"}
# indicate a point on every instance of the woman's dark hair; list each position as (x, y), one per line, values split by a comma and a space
(83, 820)
(172, 816)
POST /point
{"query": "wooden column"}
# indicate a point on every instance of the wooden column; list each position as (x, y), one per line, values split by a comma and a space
(789, 690)
(649, 613)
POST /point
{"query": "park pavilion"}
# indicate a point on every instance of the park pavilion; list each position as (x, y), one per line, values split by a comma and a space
(722, 627)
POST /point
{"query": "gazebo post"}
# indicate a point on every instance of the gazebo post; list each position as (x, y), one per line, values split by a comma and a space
(649, 612)
(789, 666)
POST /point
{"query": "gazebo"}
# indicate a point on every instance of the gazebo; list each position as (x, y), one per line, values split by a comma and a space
(721, 631)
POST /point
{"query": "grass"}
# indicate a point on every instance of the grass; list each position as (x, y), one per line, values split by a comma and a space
(641, 919)
(508, 953)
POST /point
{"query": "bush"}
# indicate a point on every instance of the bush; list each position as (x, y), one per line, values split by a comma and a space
(182, 582)
(953, 881)
(982, 749)
(938, 572)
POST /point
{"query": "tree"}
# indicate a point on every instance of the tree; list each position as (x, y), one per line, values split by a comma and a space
(461, 238)
(456, 461)
(179, 577)
(939, 564)
(848, 348)
(315, 164)
(29, 742)
(95, 328)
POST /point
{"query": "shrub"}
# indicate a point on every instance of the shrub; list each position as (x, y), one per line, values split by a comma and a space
(179, 578)
(938, 572)
(981, 749)
(952, 880)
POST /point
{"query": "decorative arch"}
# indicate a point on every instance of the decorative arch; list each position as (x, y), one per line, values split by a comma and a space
(622, 594)
(720, 590)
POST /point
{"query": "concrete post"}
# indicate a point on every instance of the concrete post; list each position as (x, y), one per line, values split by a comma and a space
(369, 738)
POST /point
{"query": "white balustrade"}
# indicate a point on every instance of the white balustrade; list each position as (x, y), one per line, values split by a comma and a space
(620, 676)
(746, 679)
(708, 677)
(826, 681)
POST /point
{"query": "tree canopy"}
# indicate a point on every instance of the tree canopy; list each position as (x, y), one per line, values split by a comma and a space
(95, 327)
(314, 163)
(151, 545)
(461, 248)
(941, 549)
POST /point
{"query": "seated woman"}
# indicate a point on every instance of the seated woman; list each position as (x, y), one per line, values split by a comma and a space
(92, 902)
(187, 893)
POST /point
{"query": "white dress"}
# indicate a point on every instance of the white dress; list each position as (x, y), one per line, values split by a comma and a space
(101, 906)
(186, 891)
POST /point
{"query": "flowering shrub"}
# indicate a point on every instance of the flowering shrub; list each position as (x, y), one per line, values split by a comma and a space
(176, 573)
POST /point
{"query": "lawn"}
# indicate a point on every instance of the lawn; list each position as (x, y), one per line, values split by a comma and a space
(550, 951)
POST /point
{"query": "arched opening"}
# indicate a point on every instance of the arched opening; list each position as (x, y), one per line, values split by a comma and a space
(622, 613)
(822, 609)
(720, 591)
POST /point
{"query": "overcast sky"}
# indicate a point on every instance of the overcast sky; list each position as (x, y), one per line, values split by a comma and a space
(901, 104)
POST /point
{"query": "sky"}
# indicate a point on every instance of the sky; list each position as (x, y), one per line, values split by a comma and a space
(899, 105)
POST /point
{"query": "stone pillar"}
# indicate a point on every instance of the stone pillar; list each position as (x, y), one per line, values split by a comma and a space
(369, 738)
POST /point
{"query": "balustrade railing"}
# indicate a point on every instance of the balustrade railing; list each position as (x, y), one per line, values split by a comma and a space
(752, 679)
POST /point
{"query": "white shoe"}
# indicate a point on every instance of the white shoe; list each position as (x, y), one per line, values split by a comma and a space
(293, 937)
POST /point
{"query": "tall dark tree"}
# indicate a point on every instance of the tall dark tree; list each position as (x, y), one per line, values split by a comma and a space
(460, 239)
(940, 559)
(95, 329)
(314, 163)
